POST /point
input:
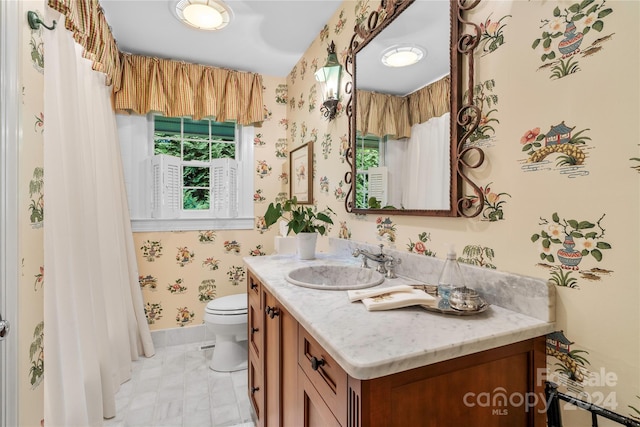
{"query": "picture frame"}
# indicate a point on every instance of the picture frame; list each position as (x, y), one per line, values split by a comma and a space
(301, 173)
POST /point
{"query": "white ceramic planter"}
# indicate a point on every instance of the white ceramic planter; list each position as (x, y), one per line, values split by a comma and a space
(307, 245)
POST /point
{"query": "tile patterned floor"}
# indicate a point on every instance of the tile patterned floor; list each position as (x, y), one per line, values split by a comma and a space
(176, 388)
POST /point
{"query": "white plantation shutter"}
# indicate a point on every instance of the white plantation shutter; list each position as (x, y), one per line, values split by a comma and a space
(378, 183)
(224, 188)
(167, 186)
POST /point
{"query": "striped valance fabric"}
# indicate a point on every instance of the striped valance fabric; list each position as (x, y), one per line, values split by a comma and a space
(430, 101)
(86, 21)
(176, 88)
(382, 114)
(388, 115)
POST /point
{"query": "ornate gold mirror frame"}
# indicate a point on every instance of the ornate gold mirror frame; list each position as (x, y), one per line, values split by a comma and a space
(463, 156)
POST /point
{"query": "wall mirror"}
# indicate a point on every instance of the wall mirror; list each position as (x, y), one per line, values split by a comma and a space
(407, 124)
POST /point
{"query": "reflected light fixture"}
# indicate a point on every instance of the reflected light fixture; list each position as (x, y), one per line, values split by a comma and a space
(402, 55)
(207, 15)
(329, 78)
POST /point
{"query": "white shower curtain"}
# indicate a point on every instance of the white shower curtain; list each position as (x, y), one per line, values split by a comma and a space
(93, 310)
(427, 166)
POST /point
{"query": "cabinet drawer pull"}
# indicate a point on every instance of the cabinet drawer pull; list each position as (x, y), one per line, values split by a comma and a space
(254, 330)
(254, 285)
(254, 389)
(316, 363)
(272, 312)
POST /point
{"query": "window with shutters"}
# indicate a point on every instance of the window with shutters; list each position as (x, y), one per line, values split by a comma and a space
(371, 175)
(198, 173)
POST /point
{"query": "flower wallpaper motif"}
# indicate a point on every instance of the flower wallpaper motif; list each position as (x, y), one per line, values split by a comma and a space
(567, 31)
(493, 203)
(420, 247)
(576, 241)
(492, 34)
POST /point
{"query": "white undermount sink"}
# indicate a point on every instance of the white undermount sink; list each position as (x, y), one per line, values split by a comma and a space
(334, 277)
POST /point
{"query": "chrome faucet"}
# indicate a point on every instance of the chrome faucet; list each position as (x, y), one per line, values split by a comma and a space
(386, 263)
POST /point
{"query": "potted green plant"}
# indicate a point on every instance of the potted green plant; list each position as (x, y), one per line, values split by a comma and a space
(303, 221)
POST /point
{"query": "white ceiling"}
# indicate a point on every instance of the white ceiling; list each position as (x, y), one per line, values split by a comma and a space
(264, 36)
(270, 36)
(425, 23)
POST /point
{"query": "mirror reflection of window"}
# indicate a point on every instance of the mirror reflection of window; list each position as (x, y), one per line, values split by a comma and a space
(370, 154)
(394, 173)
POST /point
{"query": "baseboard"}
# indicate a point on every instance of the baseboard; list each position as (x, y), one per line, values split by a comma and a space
(180, 336)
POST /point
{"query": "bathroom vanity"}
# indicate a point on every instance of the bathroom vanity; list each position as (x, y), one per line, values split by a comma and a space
(316, 359)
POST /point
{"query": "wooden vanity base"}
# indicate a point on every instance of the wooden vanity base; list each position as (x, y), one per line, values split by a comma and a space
(293, 381)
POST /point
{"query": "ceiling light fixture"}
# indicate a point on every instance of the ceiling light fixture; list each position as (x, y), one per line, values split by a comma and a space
(402, 55)
(204, 14)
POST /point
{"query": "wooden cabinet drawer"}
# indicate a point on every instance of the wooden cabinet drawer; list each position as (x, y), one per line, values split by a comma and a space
(254, 288)
(324, 373)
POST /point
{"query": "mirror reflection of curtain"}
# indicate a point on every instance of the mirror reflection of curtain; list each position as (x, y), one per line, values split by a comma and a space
(427, 165)
(384, 114)
(431, 101)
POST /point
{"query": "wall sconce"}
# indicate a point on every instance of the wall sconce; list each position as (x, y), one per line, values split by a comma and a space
(329, 79)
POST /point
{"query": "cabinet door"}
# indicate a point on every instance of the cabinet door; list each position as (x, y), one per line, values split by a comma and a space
(255, 319)
(313, 411)
(255, 333)
(289, 368)
(492, 388)
(272, 368)
(280, 363)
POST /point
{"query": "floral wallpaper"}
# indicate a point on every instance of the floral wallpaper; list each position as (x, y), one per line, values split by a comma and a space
(557, 84)
(31, 214)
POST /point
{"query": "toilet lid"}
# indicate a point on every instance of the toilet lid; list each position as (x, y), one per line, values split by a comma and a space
(229, 305)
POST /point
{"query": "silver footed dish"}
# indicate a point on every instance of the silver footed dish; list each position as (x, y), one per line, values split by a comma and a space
(444, 308)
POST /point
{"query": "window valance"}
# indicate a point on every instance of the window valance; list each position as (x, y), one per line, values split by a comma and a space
(383, 114)
(176, 88)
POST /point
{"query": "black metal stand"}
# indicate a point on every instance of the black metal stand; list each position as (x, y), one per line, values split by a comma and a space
(554, 419)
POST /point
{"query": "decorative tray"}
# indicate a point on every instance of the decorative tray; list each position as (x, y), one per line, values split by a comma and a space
(433, 290)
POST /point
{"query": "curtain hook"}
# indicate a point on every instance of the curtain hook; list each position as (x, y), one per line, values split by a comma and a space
(35, 21)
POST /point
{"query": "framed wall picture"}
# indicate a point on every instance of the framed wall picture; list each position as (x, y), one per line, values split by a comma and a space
(301, 174)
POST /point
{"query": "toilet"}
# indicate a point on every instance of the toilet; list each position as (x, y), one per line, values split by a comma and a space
(226, 317)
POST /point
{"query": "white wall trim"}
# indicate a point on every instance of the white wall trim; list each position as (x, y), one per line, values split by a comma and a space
(10, 137)
(191, 224)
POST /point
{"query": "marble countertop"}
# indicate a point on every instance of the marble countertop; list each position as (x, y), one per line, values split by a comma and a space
(374, 344)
